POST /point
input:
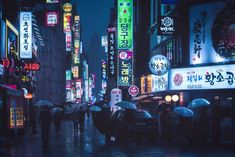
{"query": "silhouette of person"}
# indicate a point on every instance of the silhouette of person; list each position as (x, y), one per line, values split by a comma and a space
(81, 118)
(57, 121)
(45, 120)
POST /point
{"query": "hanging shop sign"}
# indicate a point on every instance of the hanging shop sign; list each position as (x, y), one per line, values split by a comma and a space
(125, 24)
(104, 70)
(125, 68)
(198, 78)
(68, 75)
(211, 33)
(111, 53)
(159, 65)
(78, 89)
(25, 35)
(77, 37)
(75, 70)
(25, 78)
(115, 97)
(52, 18)
(67, 22)
(166, 26)
(68, 41)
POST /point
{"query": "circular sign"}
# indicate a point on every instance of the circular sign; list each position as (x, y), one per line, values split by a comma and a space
(167, 21)
(133, 90)
(159, 65)
(67, 7)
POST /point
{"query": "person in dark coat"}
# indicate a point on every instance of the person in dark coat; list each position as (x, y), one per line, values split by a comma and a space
(164, 120)
(57, 121)
(45, 121)
(129, 119)
(81, 117)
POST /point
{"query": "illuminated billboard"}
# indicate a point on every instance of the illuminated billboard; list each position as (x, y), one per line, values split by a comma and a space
(125, 24)
(52, 1)
(25, 35)
(211, 33)
(112, 63)
(67, 22)
(125, 68)
(198, 78)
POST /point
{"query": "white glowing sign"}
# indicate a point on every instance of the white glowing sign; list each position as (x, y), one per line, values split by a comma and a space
(208, 77)
(159, 65)
(25, 35)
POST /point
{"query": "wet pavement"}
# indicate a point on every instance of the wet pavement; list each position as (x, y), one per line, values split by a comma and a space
(91, 143)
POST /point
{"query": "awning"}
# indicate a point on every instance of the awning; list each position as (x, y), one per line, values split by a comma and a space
(11, 91)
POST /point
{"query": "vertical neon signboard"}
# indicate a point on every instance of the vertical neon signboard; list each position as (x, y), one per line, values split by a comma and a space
(25, 35)
(125, 24)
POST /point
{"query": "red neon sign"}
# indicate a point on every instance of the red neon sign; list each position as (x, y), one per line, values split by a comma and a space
(32, 66)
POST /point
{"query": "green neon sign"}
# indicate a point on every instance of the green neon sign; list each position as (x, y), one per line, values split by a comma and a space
(125, 24)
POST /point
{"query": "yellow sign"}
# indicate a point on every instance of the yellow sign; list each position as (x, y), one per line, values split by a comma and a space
(67, 7)
(16, 117)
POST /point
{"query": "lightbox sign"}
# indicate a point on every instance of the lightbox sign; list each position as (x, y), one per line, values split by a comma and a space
(159, 65)
(125, 68)
(68, 75)
(78, 88)
(167, 25)
(67, 22)
(104, 70)
(76, 33)
(52, 18)
(52, 1)
(75, 71)
(125, 24)
(111, 53)
(211, 39)
(67, 7)
(25, 35)
(198, 78)
(68, 41)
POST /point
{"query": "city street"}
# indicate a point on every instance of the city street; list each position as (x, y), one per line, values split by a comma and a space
(92, 144)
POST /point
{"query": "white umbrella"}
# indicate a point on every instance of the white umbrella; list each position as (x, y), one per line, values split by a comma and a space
(56, 109)
(183, 111)
(126, 105)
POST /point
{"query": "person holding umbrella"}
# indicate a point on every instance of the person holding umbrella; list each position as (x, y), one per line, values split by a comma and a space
(45, 121)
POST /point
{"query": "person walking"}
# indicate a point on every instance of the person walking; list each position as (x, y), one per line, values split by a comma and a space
(81, 116)
(45, 120)
(57, 121)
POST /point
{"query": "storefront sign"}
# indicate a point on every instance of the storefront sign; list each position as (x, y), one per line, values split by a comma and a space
(68, 40)
(125, 24)
(115, 97)
(159, 65)
(167, 25)
(52, 1)
(67, 22)
(25, 35)
(208, 77)
(133, 90)
(211, 33)
(52, 18)
(125, 68)
(67, 7)
(78, 88)
(12, 40)
(75, 71)
(112, 63)
(104, 70)
(68, 75)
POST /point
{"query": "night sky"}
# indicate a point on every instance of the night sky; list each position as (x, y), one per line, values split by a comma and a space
(94, 16)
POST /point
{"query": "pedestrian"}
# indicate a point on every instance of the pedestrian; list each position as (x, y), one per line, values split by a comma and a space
(88, 111)
(129, 120)
(57, 121)
(45, 120)
(165, 120)
(75, 123)
(81, 117)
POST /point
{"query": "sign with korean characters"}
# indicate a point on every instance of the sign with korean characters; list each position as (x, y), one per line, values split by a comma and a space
(125, 68)
(125, 24)
(25, 35)
(198, 78)
(159, 65)
(111, 53)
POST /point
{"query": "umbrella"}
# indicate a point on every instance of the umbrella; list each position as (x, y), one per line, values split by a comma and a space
(95, 108)
(42, 103)
(183, 111)
(197, 103)
(126, 105)
(56, 109)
